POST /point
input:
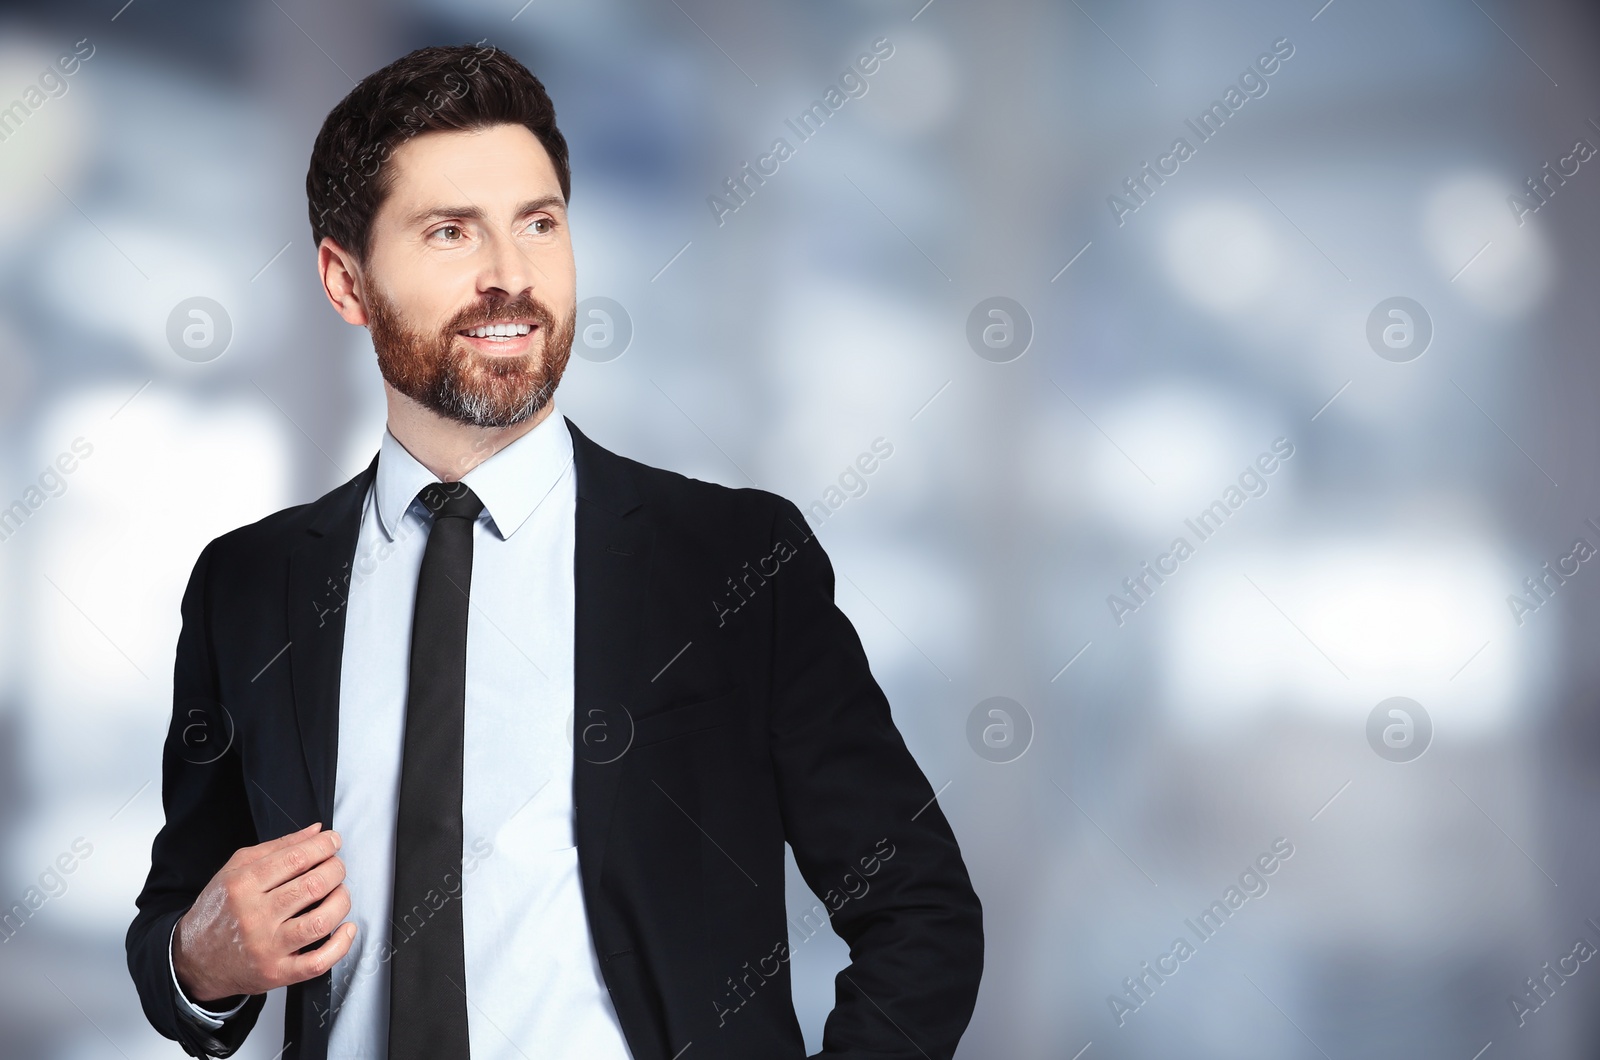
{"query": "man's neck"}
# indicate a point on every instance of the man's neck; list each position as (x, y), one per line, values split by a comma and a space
(448, 447)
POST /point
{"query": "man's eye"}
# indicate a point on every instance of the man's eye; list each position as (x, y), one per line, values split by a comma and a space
(447, 228)
(549, 225)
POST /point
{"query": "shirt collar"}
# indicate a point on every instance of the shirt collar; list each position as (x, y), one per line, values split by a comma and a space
(511, 483)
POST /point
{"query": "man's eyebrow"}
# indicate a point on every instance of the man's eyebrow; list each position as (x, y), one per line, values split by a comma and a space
(473, 213)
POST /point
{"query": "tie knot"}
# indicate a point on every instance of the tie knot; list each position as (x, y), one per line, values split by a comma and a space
(450, 500)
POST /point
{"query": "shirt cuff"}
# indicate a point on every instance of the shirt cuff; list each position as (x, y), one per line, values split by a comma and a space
(205, 1017)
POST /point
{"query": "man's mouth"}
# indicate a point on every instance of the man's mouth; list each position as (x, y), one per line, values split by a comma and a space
(498, 332)
(502, 340)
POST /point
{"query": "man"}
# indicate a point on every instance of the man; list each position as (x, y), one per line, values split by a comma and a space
(564, 708)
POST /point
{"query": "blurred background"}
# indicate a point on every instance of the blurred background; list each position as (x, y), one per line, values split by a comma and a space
(1366, 270)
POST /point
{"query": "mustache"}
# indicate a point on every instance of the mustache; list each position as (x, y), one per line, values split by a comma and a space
(503, 313)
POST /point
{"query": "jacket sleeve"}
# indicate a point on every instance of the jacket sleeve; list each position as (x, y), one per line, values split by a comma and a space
(866, 830)
(207, 819)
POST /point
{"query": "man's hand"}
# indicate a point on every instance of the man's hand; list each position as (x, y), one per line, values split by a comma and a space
(244, 932)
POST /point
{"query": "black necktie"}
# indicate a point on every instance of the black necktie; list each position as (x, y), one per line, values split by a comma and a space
(428, 979)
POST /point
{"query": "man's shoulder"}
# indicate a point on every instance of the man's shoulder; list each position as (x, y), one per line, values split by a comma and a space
(691, 503)
(701, 499)
(282, 531)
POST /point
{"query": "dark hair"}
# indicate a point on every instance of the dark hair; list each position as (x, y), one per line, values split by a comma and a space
(467, 86)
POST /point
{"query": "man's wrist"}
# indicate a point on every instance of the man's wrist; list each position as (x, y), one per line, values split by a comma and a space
(215, 1012)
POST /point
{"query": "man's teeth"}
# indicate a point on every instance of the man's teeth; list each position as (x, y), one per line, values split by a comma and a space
(498, 331)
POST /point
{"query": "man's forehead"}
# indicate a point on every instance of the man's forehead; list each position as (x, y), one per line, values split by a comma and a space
(503, 167)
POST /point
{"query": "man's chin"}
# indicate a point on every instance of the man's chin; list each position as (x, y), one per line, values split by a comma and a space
(499, 392)
(492, 414)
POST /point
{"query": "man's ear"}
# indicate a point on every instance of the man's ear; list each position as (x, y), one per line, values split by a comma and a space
(341, 281)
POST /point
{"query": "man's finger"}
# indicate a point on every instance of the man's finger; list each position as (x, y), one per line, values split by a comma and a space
(291, 897)
(261, 850)
(300, 967)
(293, 860)
(318, 922)
(245, 855)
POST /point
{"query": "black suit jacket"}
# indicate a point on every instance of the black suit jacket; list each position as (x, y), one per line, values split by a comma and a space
(723, 705)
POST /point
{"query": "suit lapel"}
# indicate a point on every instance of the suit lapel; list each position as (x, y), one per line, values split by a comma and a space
(611, 564)
(319, 583)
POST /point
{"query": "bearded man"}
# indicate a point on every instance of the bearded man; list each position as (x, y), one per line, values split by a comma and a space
(480, 773)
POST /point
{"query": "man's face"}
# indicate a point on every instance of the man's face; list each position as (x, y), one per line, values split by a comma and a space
(473, 233)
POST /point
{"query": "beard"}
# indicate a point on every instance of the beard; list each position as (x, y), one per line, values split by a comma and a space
(454, 380)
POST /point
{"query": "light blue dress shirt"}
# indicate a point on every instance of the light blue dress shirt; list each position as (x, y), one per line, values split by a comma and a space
(534, 986)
